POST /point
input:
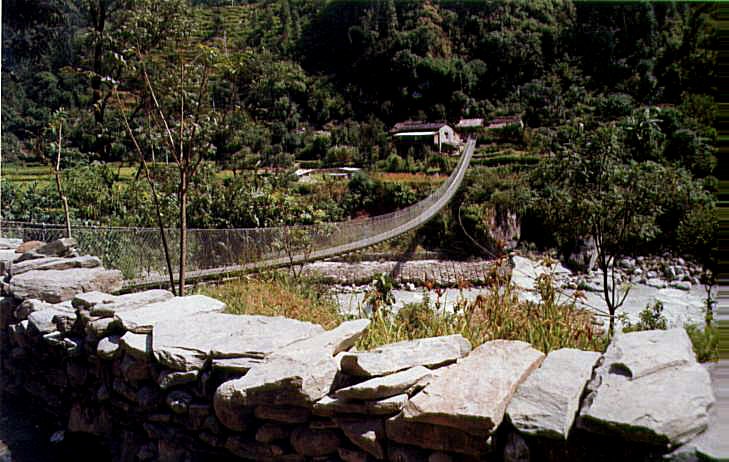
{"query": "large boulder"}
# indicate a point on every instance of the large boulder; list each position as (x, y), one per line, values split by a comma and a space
(545, 404)
(472, 395)
(712, 444)
(56, 286)
(143, 319)
(525, 272)
(649, 389)
(429, 352)
(582, 256)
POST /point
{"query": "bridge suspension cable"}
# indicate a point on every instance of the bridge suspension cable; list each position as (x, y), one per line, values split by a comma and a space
(214, 253)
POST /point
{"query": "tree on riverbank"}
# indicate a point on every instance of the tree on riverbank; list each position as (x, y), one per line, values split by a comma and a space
(592, 188)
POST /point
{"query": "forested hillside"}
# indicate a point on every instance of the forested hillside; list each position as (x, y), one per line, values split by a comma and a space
(618, 103)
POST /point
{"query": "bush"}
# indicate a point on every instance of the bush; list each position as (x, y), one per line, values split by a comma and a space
(614, 106)
(705, 342)
(496, 314)
(341, 155)
(650, 318)
(396, 164)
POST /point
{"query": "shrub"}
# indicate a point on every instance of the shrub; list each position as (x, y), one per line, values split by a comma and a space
(705, 341)
(650, 318)
(496, 314)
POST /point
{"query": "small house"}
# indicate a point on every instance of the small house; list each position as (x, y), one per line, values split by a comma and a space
(437, 133)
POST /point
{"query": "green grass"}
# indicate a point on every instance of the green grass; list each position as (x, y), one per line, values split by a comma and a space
(28, 173)
(496, 314)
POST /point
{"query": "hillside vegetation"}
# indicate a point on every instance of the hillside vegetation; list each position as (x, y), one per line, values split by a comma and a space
(618, 105)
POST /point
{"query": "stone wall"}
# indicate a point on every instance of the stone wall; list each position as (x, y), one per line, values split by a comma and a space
(157, 377)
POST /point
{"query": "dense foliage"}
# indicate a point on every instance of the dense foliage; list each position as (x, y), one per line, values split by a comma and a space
(618, 103)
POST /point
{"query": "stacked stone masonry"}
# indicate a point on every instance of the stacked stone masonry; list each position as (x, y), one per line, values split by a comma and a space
(165, 378)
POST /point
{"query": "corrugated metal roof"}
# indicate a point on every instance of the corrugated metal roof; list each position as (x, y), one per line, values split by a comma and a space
(470, 123)
(415, 133)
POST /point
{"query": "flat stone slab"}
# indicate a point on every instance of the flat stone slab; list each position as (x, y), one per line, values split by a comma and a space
(143, 319)
(278, 381)
(664, 402)
(56, 286)
(639, 354)
(54, 263)
(712, 444)
(236, 365)
(430, 352)
(329, 406)
(546, 403)
(472, 394)
(42, 321)
(186, 343)
(341, 338)
(384, 387)
(105, 305)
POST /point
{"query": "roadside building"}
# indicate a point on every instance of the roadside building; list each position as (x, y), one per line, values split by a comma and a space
(434, 133)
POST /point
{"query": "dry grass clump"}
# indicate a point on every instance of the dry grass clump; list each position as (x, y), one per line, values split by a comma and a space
(277, 294)
(496, 314)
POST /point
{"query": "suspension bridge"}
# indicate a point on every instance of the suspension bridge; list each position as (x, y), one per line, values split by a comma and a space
(217, 253)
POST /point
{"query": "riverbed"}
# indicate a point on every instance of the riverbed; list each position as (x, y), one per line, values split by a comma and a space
(681, 306)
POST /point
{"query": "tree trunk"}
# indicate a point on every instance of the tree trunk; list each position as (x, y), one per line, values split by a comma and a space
(57, 173)
(183, 231)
